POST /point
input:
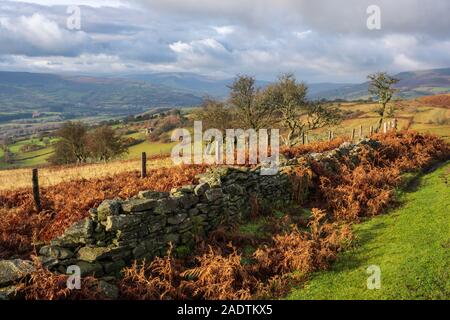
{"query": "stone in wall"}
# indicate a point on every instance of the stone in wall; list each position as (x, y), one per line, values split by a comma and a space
(12, 271)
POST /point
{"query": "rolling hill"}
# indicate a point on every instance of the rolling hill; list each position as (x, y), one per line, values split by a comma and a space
(412, 84)
(74, 96)
(188, 82)
(24, 94)
(218, 88)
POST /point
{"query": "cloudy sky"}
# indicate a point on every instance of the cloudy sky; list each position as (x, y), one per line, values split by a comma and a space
(320, 41)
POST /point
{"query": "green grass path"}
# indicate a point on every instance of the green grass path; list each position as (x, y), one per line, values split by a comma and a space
(410, 244)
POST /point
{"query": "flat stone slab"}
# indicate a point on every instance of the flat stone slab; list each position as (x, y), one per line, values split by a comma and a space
(14, 270)
(91, 254)
(56, 252)
(7, 293)
(138, 205)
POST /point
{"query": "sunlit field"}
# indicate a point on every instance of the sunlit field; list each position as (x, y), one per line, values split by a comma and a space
(426, 115)
(19, 178)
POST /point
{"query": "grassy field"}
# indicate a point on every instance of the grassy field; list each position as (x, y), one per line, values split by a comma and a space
(16, 175)
(26, 159)
(40, 157)
(411, 114)
(151, 148)
(410, 245)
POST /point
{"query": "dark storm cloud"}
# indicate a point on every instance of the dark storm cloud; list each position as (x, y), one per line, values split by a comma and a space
(333, 16)
(321, 40)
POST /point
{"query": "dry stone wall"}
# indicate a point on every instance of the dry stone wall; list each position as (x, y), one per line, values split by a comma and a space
(118, 232)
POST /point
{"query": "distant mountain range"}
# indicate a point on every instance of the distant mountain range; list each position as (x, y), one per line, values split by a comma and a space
(205, 86)
(24, 93)
(412, 84)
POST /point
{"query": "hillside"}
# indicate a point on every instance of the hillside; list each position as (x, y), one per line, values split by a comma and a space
(412, 84)
(429, 114)
(189, 82)
(24, 94)
(412, 238)
(262, 253)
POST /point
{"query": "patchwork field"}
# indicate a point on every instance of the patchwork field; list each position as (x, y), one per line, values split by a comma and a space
(40, 157)
(426, 115)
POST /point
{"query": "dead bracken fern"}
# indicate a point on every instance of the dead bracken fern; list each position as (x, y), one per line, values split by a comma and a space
(219, 277)
(303, 251)
(300, 178)
(222, 276)
(366, 188)
(350, 190)
(319, 146)
(69, 202)
(45, 285)
(159, 280)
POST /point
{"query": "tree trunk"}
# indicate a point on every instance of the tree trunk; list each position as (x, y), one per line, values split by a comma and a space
(380, 123)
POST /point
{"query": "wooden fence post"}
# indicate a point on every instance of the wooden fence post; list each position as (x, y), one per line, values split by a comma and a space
(395, 123)
(371, 131)
(303, 137)
(36, 196)
(361, 131)
(143, 165)
(353, 134)
(306, 139)
(329, 135)
(385, 127)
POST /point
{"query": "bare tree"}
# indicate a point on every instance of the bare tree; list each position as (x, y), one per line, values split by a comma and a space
(381, 86)
(289, 100)
(251, 111)
(320, 114)
(214, 114)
